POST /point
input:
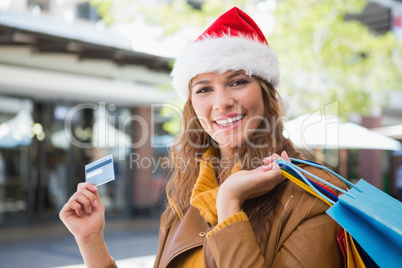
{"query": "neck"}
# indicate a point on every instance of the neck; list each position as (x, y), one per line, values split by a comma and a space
(226, 156)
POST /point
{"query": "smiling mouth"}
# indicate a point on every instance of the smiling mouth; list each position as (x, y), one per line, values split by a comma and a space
(230, 121)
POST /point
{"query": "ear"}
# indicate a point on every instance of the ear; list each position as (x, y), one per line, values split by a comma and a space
(277, 97)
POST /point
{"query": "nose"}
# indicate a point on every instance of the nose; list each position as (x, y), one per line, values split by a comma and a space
(223, 99)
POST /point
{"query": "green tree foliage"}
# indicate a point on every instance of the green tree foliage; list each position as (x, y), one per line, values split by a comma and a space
(104, 8)
(173, 126)
(325, 58)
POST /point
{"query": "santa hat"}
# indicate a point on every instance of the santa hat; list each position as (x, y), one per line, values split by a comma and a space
(233, 42)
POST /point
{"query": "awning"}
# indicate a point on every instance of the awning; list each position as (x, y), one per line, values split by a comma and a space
(394, 132)
(312, 131)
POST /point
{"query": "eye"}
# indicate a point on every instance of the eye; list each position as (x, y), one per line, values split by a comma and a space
(239, 82)
(202, 90)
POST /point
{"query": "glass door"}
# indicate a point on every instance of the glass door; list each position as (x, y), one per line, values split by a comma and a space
(16, 137)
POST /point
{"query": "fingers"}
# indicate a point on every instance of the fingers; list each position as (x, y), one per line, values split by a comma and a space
(78, 202)
(85, 199)
(271, 166)
(90, 191)
(272, 158)
(285, 156)
(87, 185)
(264, 182)
(247, 184)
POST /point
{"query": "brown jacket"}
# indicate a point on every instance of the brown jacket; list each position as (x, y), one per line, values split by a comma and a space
(301, 235)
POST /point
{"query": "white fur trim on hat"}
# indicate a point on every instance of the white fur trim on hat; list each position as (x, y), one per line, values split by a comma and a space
(222, 54)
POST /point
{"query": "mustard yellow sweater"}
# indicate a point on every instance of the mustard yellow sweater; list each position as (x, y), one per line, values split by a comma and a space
(204, 198)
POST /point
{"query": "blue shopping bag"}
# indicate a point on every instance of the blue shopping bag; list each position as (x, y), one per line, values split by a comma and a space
(374, 219)
(370, 216)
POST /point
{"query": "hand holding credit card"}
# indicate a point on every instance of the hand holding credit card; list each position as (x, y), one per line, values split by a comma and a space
(100, 171)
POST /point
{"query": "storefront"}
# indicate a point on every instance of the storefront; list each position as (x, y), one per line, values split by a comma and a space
(43, 157)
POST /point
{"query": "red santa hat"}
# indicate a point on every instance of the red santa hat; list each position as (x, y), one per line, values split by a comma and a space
(233, 42)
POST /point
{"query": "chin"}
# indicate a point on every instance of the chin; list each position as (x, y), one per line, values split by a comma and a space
(232, 143)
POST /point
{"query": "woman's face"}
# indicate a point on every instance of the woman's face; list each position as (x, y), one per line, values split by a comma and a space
(229, 106)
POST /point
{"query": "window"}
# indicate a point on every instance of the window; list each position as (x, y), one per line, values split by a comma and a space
(87, 12)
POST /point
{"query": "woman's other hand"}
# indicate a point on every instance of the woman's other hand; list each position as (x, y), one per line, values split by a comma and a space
(84, 214)
(84, 217)
(248, 184)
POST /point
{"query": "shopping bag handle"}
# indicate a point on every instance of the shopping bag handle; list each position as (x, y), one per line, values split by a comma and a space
(298, 170)
(313, 164)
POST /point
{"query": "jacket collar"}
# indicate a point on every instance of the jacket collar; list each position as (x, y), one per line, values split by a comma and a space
(185, 234)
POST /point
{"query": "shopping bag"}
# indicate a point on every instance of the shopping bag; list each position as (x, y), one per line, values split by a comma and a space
(354, 259)
(372, 218)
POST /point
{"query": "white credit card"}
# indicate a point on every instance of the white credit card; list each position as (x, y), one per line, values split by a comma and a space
(100, 171)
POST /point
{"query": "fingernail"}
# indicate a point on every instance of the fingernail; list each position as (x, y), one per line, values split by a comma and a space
(267, 166)
(94, 187)
(89, 209)
(96, 204)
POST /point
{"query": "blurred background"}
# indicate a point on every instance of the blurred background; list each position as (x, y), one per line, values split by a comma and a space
(83, 79)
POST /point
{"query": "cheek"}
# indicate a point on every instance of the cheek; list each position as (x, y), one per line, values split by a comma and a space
(259, 103)
(201, 112)
(256, 105)
(199, 109)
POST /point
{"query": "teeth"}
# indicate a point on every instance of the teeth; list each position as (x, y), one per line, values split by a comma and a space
(229, 121)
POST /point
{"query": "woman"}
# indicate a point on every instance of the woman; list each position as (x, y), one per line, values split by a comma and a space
(229, 205)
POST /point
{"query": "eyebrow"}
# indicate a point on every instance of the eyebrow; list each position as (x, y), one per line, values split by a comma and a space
(202, 82)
